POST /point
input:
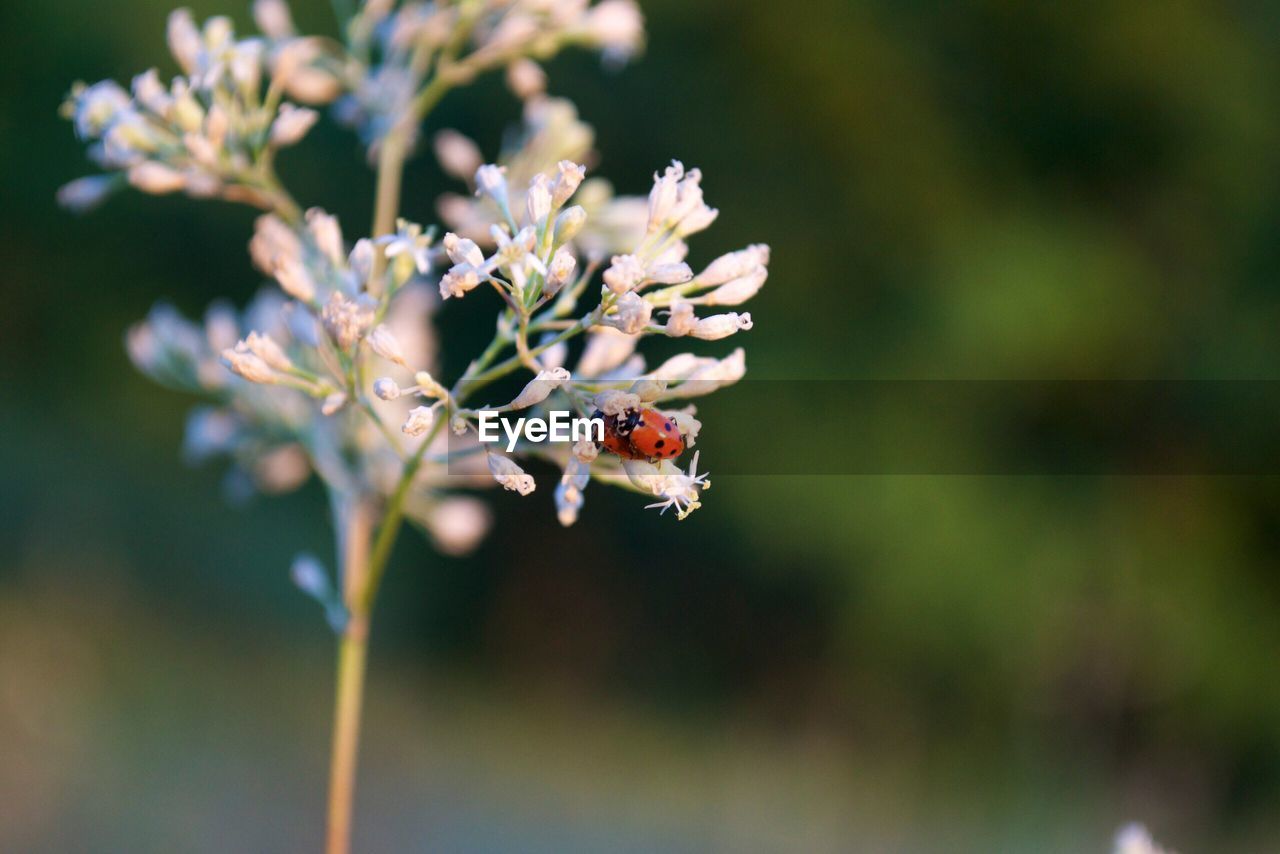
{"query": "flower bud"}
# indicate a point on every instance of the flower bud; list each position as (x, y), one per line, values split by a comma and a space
(458, 155)
(294, 279)
(333, 403)
(429, 387)
(506, 472)
(632, 315)
(152, 177)
(292, 124)
(491, 181)
(526, 79)
(383, 342)
(540, 387)
(624, 274)
(265, 348)
(721, 325)
(249, 365)
(569, 223)
(568, 178)
(739, 290)
(385, 388)
(273, 19)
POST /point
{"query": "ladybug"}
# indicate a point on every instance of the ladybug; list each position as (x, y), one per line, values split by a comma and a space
(641, 434)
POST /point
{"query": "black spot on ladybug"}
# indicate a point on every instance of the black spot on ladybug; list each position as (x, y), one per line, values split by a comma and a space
(666, 425)
(660, 443)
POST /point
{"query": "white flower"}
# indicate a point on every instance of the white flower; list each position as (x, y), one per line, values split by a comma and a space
(408, 241)
(569, 177)
(560, 270)
(97, 106)
(681, 320)
(570, 222)
(721, 325)
(265, 348)
(648, 390)
(688, 426)
(249, 365)
(606, 349)
(569, 498)
(526, 79)
(586, 451)
(676, 488)
(613, 402)
(152, 177)
(733, 265)
(292, 124)
(633, 313)
(184, 40)
(460, 279)
(491, 181)
(386, 388)
(273, 18)
(327, 234)
(458, 155)
(669, 274)
(617, 26)
(462, 250)
(457, 525)
(333, 403)
(84, 194)
(739, 290)
(150, 92)
(294, 278)
(346, 320)
(383, 342)
(272, 242)
(538, 199)
(419, 421)
(507, 473)
(625, 273)
(540, 387)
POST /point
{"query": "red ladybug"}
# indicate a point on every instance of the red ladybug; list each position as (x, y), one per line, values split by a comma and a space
(642, 434)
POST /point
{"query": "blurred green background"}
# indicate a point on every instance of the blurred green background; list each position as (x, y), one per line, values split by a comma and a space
(965, 190)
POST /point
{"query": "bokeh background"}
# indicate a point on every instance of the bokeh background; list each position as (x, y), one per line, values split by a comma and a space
(984, 189)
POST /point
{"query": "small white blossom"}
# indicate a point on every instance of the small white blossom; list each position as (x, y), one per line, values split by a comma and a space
(526, 79)
(419, 421)
(617, 26)
(625, 273)
(669, 274)
(540, 387)
(459, 156)
(386, 388)
(538, 199)
(346, 320)
(560, 270)
(569, 177)
(733, 265)
(568, 496)
(570, 222)
(586, 451)
(429, 386)
(84, 194)
(332, 403)
(633, 313)
(721, 325)
(491, 181)
(613, 402)
(460, 279)
(457, 525)
(152, 177)
(462, 250)
(511, 477)
(273, 18)
(292, 124)
(383, 342)
(250, 366)
(294, 278)
(739, 290)
(272, 242)
(681, 321)
(265, 348)
(327, 234)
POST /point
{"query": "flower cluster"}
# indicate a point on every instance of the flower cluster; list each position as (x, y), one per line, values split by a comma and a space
(214, 130)
(395, 50)
(334, 369)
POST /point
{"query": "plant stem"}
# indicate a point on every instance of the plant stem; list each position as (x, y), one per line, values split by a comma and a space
(349, 690)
